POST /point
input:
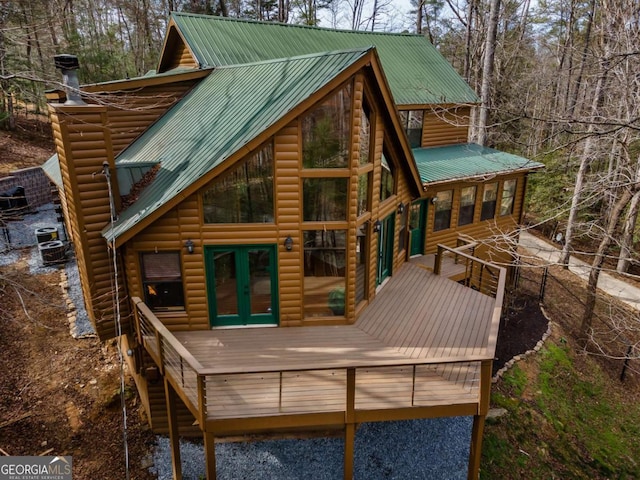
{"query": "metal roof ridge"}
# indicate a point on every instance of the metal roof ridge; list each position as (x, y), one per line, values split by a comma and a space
(293, 25)
(361, 50)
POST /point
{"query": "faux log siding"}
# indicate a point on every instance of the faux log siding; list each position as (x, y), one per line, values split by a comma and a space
(350, 290)
(181, 57)
(142, 109)
(287, 198)
(478, 229)
(445, 127)
(80, 161)
(185, 222)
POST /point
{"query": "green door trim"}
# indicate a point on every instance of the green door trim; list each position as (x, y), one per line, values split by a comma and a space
(386, 237)
(244, 317)
(417, 232)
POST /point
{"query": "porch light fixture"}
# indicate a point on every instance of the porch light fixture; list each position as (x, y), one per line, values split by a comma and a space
(401, 208)
(288, 244)
(434, 200)
(377, 226)
(189, 246)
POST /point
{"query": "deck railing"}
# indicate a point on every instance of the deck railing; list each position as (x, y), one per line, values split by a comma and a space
(298, 393)
(174, 360)
(477, 274)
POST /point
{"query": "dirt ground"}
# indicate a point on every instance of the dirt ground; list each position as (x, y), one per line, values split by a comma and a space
(61, 396)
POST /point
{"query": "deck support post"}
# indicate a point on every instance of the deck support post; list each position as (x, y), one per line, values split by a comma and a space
(476, 447)
(350, 426)
(475, 452)
(210, 455)
(174, 437)
(349, 442)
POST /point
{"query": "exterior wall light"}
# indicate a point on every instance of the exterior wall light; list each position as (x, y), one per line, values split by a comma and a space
(288, 244)
(189, 246)
(377, 226)
(401, 208)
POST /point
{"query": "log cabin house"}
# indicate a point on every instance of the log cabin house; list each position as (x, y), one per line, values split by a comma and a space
(316, 181)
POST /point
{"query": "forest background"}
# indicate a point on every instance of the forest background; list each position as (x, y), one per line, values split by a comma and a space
(559, 82)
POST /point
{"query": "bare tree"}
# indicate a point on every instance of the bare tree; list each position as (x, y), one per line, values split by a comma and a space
(487, 70)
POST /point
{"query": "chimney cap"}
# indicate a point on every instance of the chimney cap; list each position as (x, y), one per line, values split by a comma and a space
(64, 61)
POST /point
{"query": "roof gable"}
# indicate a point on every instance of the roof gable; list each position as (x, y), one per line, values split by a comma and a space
(228, 113)
(416, 71)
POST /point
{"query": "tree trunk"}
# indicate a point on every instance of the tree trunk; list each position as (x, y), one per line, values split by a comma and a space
(586, 159)
(419, 17)
(598, 260)
(626, 242)
(583, 61)
(487, 70)
(467, 41)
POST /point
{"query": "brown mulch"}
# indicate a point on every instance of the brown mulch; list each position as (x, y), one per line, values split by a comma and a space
(521, 327)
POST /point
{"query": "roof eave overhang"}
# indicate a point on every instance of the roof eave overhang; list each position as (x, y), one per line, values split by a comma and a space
(480, 177)
(436, 106)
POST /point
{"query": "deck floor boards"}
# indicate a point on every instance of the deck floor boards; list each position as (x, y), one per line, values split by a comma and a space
(260, 372)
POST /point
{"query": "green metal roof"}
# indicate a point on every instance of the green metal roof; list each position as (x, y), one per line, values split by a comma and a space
(416, 71)
(225, 111)
(455, 162)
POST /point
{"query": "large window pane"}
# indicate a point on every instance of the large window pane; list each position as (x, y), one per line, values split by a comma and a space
(324, 199)
(324, 272)
(489, 198)
(365, 136)
(508, 194)
(387, 184)
(162, 280)
(467, 205)
(442, 219)
(326, 132)
(244, 195)
(226, 283)
(363, 193)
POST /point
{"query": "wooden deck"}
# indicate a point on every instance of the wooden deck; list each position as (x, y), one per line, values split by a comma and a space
(417, 322)
(422, 348)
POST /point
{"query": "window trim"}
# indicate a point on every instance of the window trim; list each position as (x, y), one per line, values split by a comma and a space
(144, 281)
(472, 205)
(511, 197)
(495, 201)
(450, 210)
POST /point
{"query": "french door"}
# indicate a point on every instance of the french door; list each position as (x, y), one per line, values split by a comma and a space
(242, 285)
(417, 221)
(385, 249)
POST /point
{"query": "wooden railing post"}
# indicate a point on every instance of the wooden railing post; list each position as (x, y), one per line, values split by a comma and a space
(350, 427)
(437, 266)
(202, 401)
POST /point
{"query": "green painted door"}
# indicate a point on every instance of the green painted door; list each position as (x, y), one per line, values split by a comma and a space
(385, 249)
(417, 222)
(242, 285)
